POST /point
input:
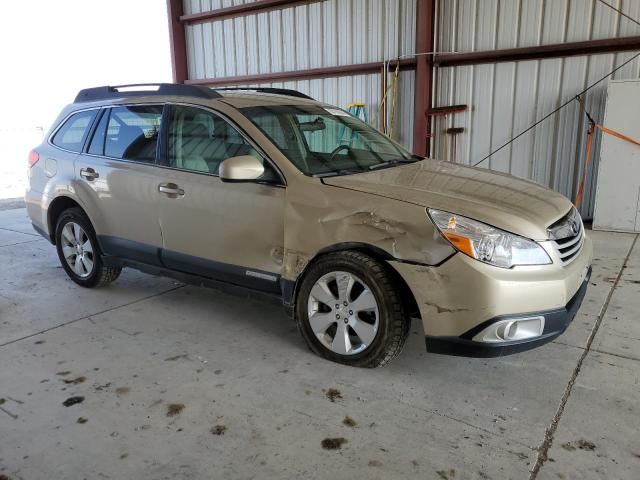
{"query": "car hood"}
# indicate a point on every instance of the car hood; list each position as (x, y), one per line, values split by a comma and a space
(512, 204)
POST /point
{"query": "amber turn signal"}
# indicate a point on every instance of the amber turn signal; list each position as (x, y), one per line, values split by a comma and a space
(461, 243)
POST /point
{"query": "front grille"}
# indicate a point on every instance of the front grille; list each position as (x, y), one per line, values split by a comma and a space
(567, 236)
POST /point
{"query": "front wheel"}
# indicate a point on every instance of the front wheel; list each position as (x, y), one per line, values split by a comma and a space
(79, 252)
(349, 310)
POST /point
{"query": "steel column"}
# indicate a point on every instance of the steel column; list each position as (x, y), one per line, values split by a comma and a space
(424, 76)
(177, 40)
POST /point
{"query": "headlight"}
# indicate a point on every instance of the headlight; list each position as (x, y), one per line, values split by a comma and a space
(486, 243)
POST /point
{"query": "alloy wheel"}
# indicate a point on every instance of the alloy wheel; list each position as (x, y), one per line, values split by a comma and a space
(77, 249)
(343, 313)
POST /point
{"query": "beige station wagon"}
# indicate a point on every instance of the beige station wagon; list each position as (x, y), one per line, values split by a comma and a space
(269, 192)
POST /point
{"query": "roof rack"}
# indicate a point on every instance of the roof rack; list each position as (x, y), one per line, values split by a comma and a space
(118, 91)
(276, 91)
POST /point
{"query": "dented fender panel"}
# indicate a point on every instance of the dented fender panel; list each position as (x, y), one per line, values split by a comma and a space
(318, 216)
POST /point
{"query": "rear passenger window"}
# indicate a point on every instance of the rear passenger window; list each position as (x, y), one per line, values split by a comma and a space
(74, 131)
(96, 147)
(131, 133)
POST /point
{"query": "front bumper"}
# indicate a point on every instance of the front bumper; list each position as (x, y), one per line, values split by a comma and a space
(556, 322)
(462, 296)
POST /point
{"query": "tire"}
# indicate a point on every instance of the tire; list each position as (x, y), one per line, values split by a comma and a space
(87, 270)
(383, 339)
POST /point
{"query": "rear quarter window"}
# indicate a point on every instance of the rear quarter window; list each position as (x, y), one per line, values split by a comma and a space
(74, 131)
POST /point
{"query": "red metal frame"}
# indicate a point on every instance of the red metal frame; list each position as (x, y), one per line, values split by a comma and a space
(251, 8)
(339, 71)
(425, 19)
(178, 41)
(439, 111)
(590, 47)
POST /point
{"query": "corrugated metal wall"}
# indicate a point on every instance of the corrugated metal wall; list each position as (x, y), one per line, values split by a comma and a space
(323, 34)
(503, 98)
(506, 98)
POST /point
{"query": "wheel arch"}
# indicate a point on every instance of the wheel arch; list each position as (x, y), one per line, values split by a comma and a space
(56, 207)
(292, 287)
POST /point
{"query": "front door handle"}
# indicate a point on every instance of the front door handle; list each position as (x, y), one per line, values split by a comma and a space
(89, 174)
(171, 190)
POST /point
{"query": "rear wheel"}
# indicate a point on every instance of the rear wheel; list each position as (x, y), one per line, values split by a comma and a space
(79, 252)
(349, 310)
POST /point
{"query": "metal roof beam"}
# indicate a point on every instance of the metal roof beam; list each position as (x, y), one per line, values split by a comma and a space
(324, 72)
(252, 8)
(570, 49)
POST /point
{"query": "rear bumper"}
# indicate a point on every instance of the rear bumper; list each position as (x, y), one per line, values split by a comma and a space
(37, 204)
(556, 322)
(41, 232)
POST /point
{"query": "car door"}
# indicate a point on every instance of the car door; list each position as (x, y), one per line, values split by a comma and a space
(232, 232)
(117, 181)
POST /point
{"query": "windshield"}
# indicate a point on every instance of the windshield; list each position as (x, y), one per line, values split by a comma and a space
(324, 141)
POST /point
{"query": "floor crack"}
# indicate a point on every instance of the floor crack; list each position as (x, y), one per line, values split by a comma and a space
(438, 413)
(556, 342)
(18, 231)
(551, 430)
(21, 243)
(619, 355)
(89, 316)
(12, 415)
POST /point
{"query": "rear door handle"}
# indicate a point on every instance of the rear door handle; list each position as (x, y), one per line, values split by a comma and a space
(171, 190)
(89, 174)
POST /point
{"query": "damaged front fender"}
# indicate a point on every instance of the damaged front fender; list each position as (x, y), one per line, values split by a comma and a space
(320, 216)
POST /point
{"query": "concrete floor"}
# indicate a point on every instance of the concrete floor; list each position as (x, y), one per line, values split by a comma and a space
(569, 409)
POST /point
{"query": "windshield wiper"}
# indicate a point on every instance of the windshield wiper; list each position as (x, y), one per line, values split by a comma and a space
(351, 171)
(336, 173)
(395, 161)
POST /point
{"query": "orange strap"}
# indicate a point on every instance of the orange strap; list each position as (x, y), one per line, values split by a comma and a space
(618, 134)
(587, 157)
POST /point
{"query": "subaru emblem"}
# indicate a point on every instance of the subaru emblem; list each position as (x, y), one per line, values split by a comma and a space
(574, 227)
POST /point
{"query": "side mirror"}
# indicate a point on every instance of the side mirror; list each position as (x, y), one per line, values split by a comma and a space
(243, 168)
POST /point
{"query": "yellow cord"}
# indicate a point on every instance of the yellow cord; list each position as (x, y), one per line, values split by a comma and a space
(394, 99)
(393, 86)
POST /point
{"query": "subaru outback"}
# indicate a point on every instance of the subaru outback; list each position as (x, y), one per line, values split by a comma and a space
(269, 192)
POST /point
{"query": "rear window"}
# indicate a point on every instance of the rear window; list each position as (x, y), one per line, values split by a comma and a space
(129, 133)
(74, 131)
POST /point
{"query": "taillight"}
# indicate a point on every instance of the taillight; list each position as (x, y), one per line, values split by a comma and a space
(33, 158)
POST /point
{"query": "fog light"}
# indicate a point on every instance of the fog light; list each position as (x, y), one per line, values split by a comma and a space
(512, 329)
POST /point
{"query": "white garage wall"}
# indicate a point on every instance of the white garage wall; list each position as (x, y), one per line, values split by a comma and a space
(506, 98)
(323, 34)
(503, 98)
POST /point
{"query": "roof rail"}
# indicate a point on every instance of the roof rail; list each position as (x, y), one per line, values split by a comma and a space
(274, 90)
(118, 91)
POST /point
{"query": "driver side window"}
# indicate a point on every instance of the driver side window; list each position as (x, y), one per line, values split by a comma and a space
(199, 140)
